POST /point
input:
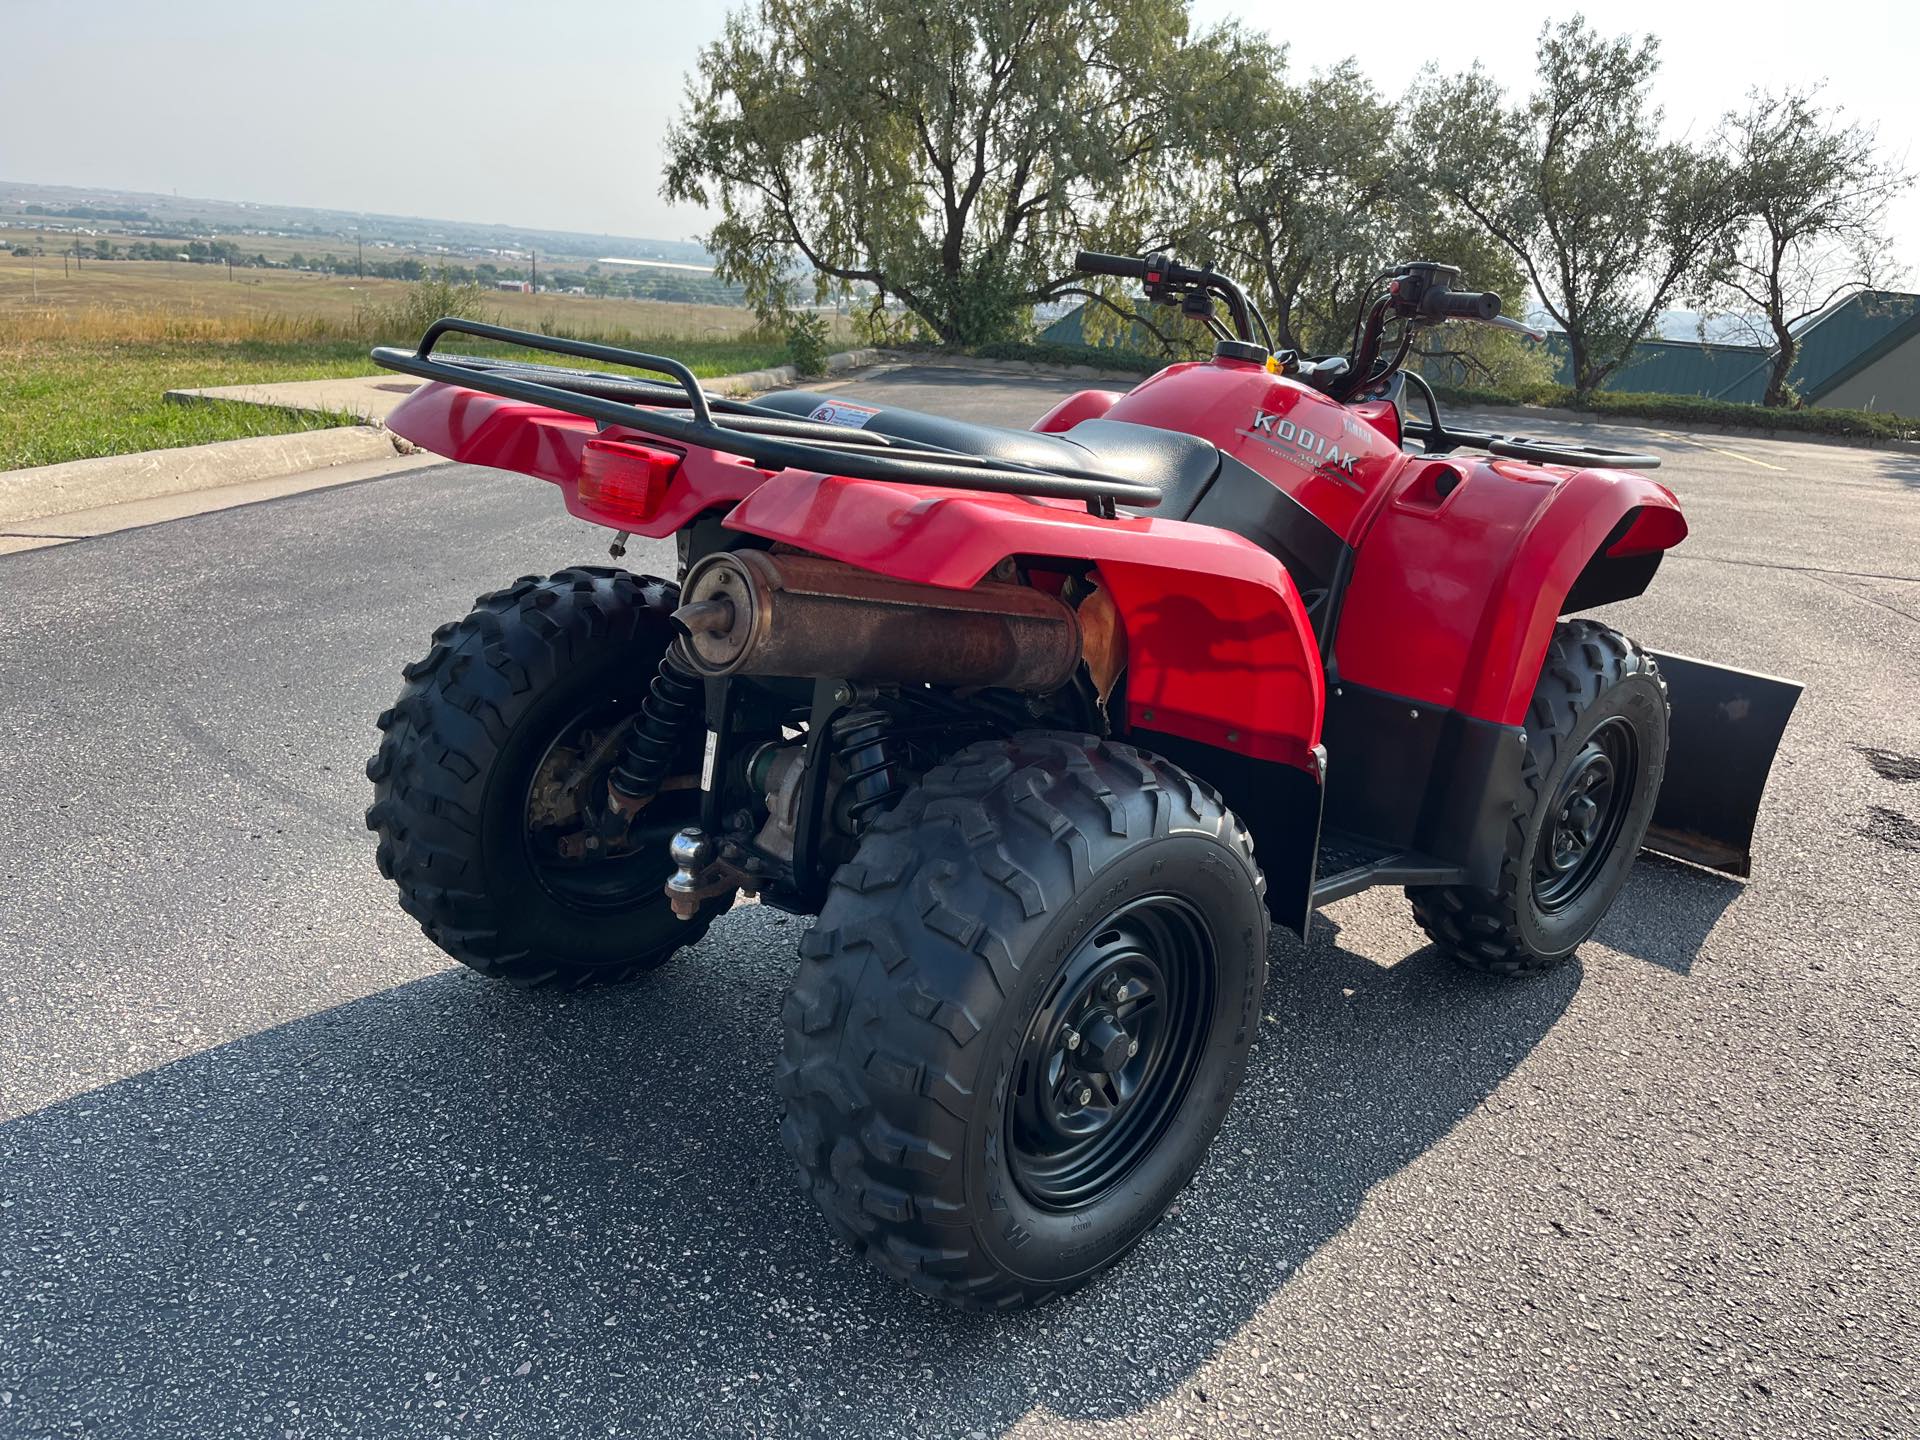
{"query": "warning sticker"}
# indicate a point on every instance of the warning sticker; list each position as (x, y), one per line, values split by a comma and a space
(843, 412)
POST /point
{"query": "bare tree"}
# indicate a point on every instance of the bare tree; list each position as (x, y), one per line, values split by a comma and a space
(1812, 192)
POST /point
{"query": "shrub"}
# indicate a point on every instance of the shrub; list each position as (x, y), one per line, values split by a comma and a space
(807, 343)
(402, 321)
(1698, 410)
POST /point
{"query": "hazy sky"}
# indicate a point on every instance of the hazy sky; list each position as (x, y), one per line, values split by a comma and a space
(557, 109)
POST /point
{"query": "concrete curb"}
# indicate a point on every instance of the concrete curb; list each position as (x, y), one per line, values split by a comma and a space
(116, 479)
(52, 530)
(778, 377)
(1011, 367)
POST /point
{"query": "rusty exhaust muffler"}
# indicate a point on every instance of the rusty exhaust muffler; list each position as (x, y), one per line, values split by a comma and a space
(751, 612)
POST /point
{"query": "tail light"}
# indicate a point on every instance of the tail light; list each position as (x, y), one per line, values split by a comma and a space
(625, 482)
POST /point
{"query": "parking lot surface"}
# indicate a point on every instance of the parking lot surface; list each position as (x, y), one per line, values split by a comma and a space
(271, 1166)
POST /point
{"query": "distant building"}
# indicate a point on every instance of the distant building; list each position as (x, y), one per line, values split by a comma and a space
(522, 286)
(1860, 353)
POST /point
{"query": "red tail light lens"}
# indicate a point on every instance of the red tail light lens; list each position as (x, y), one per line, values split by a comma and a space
(625, 482)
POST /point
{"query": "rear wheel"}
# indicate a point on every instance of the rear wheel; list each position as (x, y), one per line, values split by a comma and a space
(1596, 751)
(1022, 1016)
(491, 768)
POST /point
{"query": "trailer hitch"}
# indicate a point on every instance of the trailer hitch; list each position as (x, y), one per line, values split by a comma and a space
(704, 872)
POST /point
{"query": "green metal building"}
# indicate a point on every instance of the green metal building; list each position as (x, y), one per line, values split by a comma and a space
(1861, 353)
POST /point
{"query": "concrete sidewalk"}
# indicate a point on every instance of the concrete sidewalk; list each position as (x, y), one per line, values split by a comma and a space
(368, 398)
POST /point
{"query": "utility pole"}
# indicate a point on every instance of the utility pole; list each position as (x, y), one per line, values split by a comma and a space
(359, 257)
(536, 270)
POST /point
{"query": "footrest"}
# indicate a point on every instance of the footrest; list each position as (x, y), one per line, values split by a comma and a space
(1351, 863)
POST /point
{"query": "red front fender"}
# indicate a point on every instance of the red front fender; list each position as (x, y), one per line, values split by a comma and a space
(1218, 643)
(1455, 595)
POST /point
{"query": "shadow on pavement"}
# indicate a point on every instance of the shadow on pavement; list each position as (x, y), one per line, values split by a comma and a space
(1904, 469)
(1668, 911)
(545, 1214)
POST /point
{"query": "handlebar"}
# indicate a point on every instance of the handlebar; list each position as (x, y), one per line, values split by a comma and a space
(1420, 294)
(1165, 277)
(1460, 305)
(1098, 262)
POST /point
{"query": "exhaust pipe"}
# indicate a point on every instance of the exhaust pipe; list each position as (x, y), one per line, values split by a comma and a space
(751, 612)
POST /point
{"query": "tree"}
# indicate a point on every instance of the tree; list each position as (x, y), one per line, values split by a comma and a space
(947, 154)
(1290, 186)
(1812, 193)
(1608, 222)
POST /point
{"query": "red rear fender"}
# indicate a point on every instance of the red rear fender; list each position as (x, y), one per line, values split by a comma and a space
(478, 429)
(1219, 649)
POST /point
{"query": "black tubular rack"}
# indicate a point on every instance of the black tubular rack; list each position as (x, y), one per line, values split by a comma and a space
(769, 438)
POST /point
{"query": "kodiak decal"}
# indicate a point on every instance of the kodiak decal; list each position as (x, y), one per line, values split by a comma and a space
(1297, 442)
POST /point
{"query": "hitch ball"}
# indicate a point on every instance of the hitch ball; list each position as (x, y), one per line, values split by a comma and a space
(692, 852)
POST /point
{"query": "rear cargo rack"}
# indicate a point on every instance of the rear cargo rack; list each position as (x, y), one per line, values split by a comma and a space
(769, 438)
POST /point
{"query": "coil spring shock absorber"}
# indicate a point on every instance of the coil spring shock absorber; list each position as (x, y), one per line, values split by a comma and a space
(658, 735)
(870, 754)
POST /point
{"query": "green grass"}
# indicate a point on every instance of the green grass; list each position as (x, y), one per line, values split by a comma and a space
(73, 399)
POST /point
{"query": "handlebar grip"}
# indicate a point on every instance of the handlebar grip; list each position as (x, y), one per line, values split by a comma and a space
(1096, 262)
(1463, 305)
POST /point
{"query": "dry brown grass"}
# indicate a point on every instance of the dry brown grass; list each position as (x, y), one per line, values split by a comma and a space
(158, 299)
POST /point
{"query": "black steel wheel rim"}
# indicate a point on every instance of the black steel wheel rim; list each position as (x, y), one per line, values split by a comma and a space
(1111, 1052)
(574, 853)
(1585, 816)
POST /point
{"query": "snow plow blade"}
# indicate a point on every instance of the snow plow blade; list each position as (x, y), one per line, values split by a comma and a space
(1725, 726)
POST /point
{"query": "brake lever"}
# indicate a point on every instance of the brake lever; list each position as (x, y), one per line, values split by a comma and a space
(1505, 323)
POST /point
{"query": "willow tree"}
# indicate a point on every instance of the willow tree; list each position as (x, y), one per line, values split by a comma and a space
(947, 155)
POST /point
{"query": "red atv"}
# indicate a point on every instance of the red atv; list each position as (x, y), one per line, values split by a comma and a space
(1046, 727)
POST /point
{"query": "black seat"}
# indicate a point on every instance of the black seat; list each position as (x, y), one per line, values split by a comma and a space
(1181, 467)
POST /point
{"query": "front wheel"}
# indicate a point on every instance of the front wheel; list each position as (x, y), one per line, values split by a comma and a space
(1596, 751)
(1022, 1016)
(493, 762)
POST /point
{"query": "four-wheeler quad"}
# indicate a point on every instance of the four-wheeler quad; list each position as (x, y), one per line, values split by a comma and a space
(1046, 727)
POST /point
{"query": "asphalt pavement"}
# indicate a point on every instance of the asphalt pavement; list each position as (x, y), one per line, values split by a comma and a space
(271, 1166)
